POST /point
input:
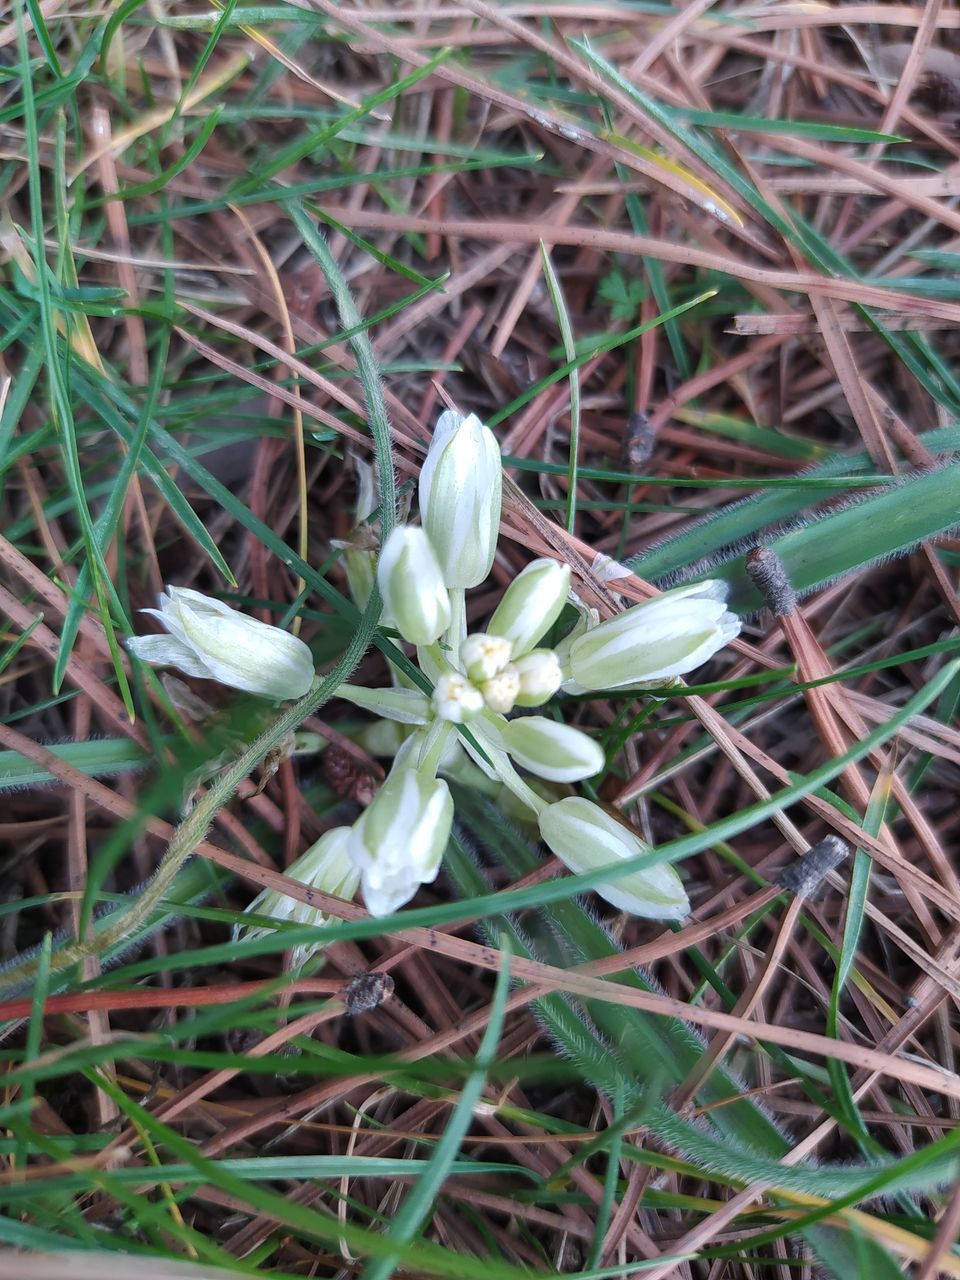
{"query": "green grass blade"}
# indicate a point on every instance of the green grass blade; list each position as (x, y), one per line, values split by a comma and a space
(191, 151)
(317, 139)
(61, 405)
(34, 1037)
(98, 758)
(43, 36)
(588, 352)
(856, 907)
(742, 520)
(790, 128)
(98, 395)
(366, 363)
(310, 1223)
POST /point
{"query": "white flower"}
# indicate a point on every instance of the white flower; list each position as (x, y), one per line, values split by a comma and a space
(540, 676)
(501, 691)
(531, 604)
(460, 496)
(483, 656)
(210, 639)
(656, 640)
(551, 750)
(326, 866)
(411, 583)
(585, 839)
(399, 841)
(456, 699)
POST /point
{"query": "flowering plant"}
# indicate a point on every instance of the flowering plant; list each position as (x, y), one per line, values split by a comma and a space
(469, 718)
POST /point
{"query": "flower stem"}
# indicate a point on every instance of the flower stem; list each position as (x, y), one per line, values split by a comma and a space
(458, 625)
(432, 751)
(524, 793)
(487, 734)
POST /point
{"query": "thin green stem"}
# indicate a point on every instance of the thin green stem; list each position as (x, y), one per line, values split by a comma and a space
(436, 740)
(457, 629)
(488, 738)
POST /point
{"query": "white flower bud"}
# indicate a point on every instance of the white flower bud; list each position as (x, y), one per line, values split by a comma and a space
(208, 638)
(585, 839)
(412, 586)
(460, 495)
(456, 699)
(500, 691)
(540, 677)
(482, 656)
(326, 866)
(399, 841)
(657, 640)
(531, 604)
(551, 750)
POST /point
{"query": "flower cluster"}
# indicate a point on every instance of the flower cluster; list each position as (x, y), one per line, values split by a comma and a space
(501, 668)
(485, 683)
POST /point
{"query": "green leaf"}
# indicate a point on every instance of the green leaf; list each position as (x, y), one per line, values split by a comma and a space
(97, 758)
(743, 521)
(366, 361)
(43, 35)
(566, 334)
(586, 353)
(61, 404)
(889, 523)
(622, 295)
(790, 128)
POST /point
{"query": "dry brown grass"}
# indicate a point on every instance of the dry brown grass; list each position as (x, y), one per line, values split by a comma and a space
(228, 338)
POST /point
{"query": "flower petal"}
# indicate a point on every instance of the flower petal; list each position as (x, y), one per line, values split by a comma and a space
(551, 750)
(460, 498)
(166, 651)
(586, 839)
(248, 654)
(666, 637)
